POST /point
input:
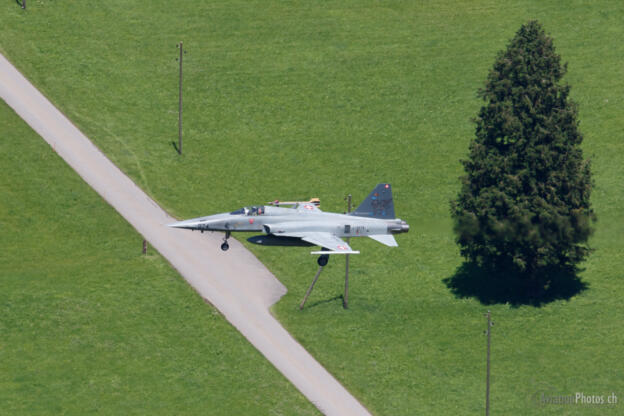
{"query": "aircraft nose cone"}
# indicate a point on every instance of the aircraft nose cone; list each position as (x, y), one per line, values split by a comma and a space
(213, 222)
(184, 224)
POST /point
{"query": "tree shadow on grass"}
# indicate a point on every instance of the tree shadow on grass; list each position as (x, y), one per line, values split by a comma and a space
(492, 287)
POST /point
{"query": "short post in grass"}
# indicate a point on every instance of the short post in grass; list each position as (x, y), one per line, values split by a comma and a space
(180, 103)
(144, 246)
(24, 4)
(488, 332)
(345, 299)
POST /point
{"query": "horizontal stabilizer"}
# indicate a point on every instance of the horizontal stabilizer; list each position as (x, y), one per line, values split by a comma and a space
(386, 239)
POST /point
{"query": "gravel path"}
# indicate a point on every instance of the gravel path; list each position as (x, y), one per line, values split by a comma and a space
(236, 283)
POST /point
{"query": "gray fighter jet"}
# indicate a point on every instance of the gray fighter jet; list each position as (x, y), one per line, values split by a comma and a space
(304, 224)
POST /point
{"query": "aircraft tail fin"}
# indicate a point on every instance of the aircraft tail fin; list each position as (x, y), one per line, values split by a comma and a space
(378, 204)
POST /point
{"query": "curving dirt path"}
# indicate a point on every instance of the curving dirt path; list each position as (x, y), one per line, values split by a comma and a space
(236, 283)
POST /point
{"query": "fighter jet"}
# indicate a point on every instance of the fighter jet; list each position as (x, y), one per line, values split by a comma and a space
(304, 224)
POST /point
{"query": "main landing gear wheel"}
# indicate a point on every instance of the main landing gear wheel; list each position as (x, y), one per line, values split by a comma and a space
(225, 246)
(323, 260)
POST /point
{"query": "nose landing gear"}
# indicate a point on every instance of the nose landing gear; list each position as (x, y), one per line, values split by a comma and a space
(225, 246)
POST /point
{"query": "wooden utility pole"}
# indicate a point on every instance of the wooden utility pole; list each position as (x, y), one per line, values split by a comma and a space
(180, 104)
(345, 299)
(488, 332)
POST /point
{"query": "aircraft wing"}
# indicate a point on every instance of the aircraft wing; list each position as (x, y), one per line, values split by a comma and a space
(329, 241)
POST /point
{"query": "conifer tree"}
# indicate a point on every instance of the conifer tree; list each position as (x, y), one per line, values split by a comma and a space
(524, 204)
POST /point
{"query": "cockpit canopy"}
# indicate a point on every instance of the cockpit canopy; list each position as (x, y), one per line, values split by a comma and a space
(249, 211)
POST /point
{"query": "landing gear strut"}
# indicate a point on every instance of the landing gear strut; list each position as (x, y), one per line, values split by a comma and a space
(225, 246)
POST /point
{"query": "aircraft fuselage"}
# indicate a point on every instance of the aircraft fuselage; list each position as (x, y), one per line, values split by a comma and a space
(277, 220)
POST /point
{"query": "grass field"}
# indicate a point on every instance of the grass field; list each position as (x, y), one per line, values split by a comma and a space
(90, 325)
(296, 100)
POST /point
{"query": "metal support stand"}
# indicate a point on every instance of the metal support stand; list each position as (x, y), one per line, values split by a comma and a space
(180, 104)
(318, 273)
(345, 299)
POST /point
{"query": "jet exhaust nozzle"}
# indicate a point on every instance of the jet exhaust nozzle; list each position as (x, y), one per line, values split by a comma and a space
(398, 228)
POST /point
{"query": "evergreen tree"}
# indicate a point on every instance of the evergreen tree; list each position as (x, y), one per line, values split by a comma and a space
(524, 205)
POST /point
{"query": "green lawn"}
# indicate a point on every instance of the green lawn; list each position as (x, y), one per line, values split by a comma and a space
(302, 99)
(90, 325)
